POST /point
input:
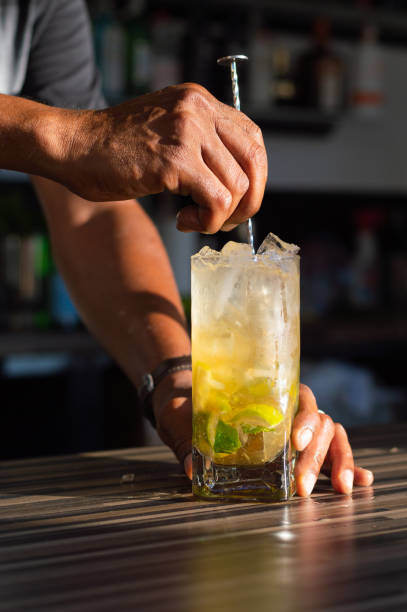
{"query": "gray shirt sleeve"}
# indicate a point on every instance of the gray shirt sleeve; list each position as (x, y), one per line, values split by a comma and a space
(61, 68)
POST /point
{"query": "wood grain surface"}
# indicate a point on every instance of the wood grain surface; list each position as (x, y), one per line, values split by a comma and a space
(75, 535)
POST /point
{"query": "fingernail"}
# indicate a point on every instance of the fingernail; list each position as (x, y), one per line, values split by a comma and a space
(308, 482)
(305, 437)
(347, 481)
(370, 475)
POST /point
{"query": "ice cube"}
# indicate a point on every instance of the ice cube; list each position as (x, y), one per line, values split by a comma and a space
(207, 254)
(236, 250)
(273, 245)
(228, 277)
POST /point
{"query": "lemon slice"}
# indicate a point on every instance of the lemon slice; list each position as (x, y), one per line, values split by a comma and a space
(257, 417)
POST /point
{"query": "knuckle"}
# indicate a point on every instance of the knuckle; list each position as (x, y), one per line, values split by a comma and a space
(339, 429)
(256, 155)
(192, 93)
(327, 424)
(251, 127)
(241, 183)
(184, 125)
(222, 201)
(180, 121)
(255, 130)
(306, 391)
(318, 460)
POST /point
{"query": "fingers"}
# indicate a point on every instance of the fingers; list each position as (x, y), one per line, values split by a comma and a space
(249, 152)
(225, 167)
(312, 458)
(307, 421)
(321, 441)
(215, 154)
(219, 186)
(213, 198)
(341, 459)
(362, 477)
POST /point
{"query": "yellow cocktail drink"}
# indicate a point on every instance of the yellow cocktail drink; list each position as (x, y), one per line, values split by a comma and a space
(245, 361)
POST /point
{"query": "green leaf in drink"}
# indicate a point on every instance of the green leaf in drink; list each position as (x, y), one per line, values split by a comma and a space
(226, 438)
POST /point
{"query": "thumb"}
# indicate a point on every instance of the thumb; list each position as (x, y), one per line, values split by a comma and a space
(188, 466)
(174, 426)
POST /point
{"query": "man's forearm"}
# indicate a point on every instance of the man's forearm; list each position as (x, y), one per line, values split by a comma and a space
(118, 273)
(34, 138)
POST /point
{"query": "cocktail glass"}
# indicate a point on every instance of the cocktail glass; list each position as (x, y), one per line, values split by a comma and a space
(245, 362)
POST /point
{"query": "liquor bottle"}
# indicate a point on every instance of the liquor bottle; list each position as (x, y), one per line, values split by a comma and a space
(204, 43)
(139, 49)
(261, 69)
(27, 264)
(283, 84)
(167, 38)
(365, 271)
(63, 311)
(43, 266)
(320, 72)
(367, 91)
(110, 49)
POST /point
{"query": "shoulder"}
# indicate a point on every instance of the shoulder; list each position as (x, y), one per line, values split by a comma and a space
(61, 69)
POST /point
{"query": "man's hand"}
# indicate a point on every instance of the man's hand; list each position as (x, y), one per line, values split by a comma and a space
(179, 139)
(323, 444)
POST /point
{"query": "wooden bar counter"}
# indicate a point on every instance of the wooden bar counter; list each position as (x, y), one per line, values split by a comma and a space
(120, 531)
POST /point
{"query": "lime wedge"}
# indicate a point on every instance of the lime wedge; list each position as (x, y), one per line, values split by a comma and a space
(260, 387)
(211, 426)
(256, 390)
(203, 377)
(255, 418)
(226, 438)
(204, 426)
(217, 401)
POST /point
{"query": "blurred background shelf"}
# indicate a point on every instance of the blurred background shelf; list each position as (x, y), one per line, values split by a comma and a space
(372, 337)
(296, 16)
(293, 120)
(72, 342)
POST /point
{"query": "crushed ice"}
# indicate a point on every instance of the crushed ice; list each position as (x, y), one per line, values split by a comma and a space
(271, 247)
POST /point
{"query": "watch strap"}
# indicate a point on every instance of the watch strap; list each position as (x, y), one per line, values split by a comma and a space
(152, 379)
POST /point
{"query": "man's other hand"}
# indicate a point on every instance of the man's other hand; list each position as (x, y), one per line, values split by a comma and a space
(323, 444)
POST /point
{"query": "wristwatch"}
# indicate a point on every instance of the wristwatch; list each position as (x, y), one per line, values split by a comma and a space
(152, 379)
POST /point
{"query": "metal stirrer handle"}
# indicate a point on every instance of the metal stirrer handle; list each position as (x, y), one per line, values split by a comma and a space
(230, 60)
